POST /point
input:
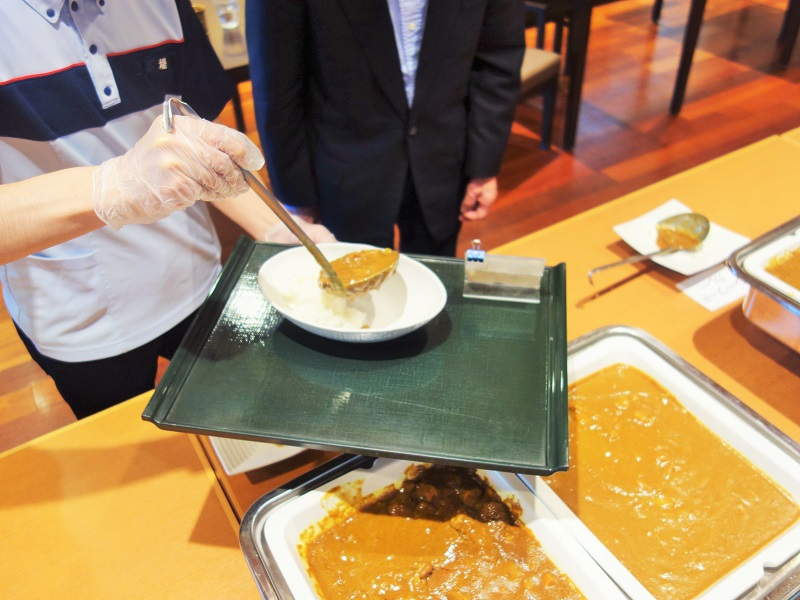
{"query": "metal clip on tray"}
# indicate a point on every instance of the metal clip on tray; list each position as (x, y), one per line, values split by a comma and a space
(499, 277)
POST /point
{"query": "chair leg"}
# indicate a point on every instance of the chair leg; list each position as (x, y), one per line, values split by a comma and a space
(548, 109)
(541, 26)
(788, 34)
(690, 37)
(567, 65)
(557, 37)
(655, 14)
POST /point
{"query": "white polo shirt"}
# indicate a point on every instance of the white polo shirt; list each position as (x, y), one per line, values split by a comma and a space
(80, 82)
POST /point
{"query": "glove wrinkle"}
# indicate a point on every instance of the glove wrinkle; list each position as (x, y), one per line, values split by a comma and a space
(169, 171)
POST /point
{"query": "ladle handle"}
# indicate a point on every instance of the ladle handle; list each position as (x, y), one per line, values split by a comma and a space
(630, 259)
(270, 200)
(170, 104)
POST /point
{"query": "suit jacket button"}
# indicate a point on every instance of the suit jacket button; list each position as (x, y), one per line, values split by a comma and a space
(412, 130)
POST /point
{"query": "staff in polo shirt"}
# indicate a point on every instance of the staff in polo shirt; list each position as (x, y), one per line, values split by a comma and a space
(105, 251)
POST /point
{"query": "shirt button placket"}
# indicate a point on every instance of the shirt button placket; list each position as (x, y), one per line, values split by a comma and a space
(96, 60)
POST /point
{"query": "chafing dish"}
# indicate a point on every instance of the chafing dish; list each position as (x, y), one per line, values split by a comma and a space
(271, 529)
(771, 304)
(772, 572)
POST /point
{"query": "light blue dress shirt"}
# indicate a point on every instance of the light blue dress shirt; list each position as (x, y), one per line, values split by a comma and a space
(408, 19)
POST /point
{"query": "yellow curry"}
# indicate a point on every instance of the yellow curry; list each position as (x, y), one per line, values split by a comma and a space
(786, 267)
(674, 503)
(357, 267)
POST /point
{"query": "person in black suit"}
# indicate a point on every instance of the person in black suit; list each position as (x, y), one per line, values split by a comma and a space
(364, 127)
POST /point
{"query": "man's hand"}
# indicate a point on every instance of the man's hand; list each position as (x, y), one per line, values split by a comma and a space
(478, 198)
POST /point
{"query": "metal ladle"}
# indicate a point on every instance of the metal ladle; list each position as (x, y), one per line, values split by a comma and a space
(679, 232)
(334, 284)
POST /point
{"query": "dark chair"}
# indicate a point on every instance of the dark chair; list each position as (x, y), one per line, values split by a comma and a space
(538, 13)
(788, 34)
(575, 16)
(655, 13)
(539, 74)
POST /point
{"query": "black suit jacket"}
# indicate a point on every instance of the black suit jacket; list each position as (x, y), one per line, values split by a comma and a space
(334, 121)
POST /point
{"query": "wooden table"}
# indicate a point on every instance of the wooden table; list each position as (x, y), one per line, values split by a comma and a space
(112, 507)
(792, 136)
(749, 191)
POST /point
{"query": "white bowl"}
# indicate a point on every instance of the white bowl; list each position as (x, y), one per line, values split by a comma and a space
(406, 301)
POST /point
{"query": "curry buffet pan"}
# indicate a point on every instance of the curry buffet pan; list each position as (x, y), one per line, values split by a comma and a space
(770, 303)
(271, 529)
(773, 568)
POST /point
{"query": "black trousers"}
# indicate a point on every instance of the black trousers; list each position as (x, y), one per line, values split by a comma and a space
(414, 236)
(91, 386)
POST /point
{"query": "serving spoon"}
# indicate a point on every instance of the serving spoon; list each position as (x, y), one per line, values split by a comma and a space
(363, 270)
(679, 232)
(367, 269)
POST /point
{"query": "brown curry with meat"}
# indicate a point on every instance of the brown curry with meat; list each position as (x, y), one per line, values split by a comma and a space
(443, 533)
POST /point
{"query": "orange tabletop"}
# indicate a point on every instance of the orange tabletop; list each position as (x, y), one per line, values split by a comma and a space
(113, 507)
(793, 135)
(749, 191)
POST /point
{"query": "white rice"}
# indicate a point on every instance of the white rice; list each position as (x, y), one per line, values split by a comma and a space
(308, 302)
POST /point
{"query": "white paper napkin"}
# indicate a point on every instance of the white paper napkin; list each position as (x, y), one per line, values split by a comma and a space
(640, 233)
(715, 288)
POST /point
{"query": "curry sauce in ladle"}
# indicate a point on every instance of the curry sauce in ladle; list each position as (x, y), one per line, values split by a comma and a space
(351, 275)
(679, 232)
(361, 271)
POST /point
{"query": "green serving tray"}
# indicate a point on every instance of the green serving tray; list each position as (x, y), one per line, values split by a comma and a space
(482, 385)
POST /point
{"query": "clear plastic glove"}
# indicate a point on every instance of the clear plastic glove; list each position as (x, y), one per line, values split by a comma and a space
(165, 172)
(280, 234)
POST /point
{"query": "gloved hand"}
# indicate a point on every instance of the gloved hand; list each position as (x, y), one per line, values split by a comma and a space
(280, 234)
(165, 172)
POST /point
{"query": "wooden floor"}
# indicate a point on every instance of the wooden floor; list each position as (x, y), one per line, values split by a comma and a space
(736, 95)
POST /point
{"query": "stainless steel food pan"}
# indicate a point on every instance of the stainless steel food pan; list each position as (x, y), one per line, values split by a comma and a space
(771, 304)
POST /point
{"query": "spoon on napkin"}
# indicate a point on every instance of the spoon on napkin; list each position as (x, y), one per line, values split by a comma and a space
(675, 233)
